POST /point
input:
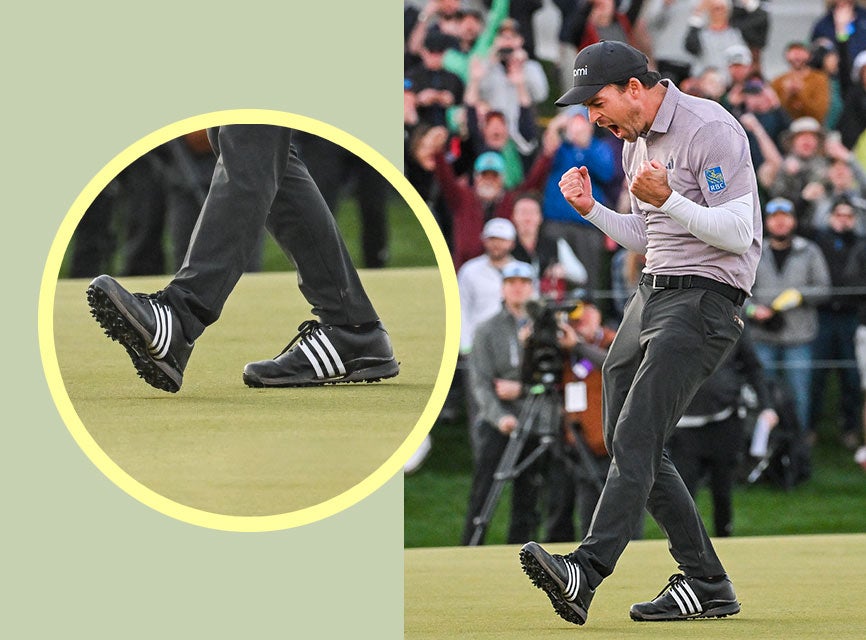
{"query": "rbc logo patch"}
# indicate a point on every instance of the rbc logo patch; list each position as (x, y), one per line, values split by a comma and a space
(715, 179)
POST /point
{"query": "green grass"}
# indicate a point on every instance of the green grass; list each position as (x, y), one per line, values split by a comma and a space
(227, 449)
(831, 502)
(792, 587)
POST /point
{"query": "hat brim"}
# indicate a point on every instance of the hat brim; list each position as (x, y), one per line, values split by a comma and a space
(579, 95)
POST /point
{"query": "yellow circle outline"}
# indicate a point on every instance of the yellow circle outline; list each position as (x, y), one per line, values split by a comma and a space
(200, 517)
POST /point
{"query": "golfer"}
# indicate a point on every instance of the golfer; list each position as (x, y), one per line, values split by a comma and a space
(695, 214)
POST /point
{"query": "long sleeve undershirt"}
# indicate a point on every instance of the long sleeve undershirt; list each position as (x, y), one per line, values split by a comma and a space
(727, 227)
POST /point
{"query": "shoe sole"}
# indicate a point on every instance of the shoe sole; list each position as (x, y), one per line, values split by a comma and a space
(542, 577)
(721, 611)
(367, 374)
(121, 328)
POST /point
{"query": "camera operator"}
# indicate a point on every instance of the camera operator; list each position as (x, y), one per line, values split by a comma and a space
(583, 435)
(496, 381)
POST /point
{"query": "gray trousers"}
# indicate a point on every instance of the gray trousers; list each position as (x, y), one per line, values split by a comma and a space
(260, 181)
(669, 342)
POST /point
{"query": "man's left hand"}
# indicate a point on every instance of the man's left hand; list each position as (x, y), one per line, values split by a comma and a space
(650, 184)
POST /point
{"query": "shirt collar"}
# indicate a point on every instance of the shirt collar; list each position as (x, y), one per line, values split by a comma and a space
(665, 114)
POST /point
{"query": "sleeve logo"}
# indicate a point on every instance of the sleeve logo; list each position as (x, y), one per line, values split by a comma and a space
(715, 179)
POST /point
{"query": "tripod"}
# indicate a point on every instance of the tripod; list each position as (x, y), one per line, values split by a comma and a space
(539, 416)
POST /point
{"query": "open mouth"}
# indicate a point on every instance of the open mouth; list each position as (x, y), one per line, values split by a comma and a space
(615, 130)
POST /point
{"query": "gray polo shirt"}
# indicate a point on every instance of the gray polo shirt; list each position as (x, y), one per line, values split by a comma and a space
(707, 156)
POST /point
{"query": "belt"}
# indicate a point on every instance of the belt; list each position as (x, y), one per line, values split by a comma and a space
(737, 296)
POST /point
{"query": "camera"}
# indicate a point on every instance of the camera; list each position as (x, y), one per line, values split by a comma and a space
(543, 359)
(505, 55)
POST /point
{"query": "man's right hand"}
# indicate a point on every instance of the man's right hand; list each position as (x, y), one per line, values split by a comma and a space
(577, 189)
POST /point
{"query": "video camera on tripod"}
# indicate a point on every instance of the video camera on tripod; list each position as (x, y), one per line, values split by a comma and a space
(543, 358)
(541, 414)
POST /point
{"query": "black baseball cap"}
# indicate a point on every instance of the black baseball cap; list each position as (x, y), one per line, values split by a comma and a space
(600, 64)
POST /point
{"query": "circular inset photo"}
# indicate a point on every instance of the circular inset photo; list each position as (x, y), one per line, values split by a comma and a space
(249, 320)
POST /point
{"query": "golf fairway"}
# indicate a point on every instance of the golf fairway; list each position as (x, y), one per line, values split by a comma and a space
(793, 587)
(223, 448)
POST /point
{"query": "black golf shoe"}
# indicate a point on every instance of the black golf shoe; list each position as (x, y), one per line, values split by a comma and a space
(327, 354)
(561, 579)
(146, 327)
(685, 598)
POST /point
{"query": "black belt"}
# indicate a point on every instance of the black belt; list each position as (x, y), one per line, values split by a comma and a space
(737, 296)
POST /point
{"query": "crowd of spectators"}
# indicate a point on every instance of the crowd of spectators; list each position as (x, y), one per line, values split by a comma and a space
(482, 135)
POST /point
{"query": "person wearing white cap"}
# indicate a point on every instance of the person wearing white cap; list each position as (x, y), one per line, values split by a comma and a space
(479, 283)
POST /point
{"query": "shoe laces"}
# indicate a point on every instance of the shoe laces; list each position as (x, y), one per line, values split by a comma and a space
(673, 581)
(305, 330)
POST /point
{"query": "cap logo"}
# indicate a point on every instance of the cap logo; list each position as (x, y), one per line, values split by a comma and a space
(581, 71)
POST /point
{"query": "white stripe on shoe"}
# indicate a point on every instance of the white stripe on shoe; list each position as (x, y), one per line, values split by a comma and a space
(573, 585)
(158, 348)
(338, 362)
(312, 358)
(322, 355)
(685, 598)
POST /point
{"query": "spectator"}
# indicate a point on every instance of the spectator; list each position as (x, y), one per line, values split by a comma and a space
(523, 11)
(740, 70)
(489, 129)
(852, 120)
(457, 59)
(855, 277)
(585, 22)
(710, 34)
(572, 130)
(479, 279)
(471, 206)
(802, 172)
(825, 58)
(708, 441)
(667, 32)
(495, 363)
(833, 348)
(802, 90)
(509, 73)
(531, 246)
(763, 113)
(583, 433)
(434, 89)
(438, 17)
(845, 179)
(753, 22)
(792, 278)
(479, 283)
(844, 25)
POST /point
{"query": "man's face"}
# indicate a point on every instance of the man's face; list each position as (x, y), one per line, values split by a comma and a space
(497, 248)
(516, 292)
(488, 185)
(470, 28)
(780, 225)
(495, 132)
(797, 57)
(618, 111)
(739, 72)
(526, 216)
(805, 144)
(843, 218)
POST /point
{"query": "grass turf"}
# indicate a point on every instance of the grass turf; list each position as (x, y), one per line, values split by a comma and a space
(227, 449)
(790, 587)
